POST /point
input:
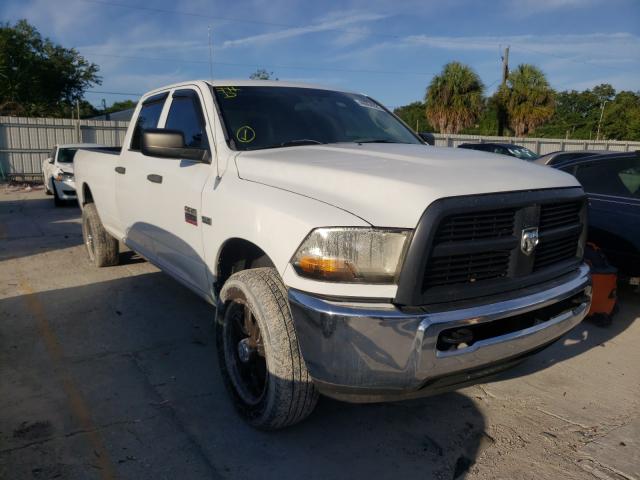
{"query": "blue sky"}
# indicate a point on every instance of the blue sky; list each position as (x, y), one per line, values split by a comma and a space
(387, 49)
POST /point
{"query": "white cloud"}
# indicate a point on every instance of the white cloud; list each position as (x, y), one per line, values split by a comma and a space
(531, 7)
(596, 48)
(345, 20)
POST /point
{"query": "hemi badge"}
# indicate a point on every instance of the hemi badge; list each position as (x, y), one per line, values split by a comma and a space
(191, 215)
(206, 220)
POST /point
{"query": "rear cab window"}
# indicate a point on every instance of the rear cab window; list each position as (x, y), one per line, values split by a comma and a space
(147, 118)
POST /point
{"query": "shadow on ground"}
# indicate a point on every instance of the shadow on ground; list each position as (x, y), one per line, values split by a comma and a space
(34, 225)
(140, 350)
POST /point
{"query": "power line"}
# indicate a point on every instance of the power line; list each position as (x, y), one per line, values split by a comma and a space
(253, 65)
(228, 19)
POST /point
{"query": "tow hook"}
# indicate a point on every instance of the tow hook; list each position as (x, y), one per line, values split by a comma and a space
(457, 337)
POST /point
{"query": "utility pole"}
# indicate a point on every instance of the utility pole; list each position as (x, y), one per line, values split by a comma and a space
(505, 66)
(502, 115)
(78, 124)
(600, 121)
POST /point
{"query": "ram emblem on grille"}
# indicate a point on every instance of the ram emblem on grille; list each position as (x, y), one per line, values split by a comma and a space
(529, 240)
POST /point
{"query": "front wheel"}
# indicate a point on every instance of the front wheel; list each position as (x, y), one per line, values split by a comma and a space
(102, 248)
(258, 351)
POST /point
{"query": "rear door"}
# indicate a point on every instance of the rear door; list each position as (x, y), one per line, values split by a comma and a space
(134, 206)
(177, 193)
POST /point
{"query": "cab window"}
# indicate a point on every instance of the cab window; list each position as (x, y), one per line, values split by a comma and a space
(618, 177)
(185, 114)
(148, 118)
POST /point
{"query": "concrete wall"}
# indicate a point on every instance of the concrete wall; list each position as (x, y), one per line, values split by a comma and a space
(25, 142)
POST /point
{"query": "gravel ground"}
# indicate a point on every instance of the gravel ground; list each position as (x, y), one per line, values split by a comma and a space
(112, 373)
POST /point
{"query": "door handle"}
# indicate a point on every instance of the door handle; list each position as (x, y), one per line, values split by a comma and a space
(121, 170)
(154, 178)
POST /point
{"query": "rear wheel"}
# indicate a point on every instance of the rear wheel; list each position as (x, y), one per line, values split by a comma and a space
(259, 353)
(102, 248)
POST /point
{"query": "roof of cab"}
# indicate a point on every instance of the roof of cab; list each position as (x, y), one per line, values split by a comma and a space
(245, 83)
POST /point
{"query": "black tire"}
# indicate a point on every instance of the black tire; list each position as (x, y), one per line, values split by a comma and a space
(288, 394)
(102, 248)
(57, 201)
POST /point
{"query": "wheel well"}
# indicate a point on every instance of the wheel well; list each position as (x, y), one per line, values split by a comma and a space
(87, 197)
(238, 254)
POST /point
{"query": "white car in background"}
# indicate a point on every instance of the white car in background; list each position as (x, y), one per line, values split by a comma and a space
(57, 171)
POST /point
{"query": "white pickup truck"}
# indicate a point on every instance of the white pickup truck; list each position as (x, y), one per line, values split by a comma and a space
(57, 171)
(343, 254)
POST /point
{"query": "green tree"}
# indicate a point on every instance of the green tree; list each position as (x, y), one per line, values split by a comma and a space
(487, 122)
(528, 98)
(37, 76)
(262, 74)
(454, 98)
(414, 115)
(621, 119)
(119, 106)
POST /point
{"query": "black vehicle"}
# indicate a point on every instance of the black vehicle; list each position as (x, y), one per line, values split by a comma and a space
(612, 184)
(510, 149)
(556, 158)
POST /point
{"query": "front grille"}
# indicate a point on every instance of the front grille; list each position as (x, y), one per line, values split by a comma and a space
(466, 268)
(475, 226)
(559, 214)
(484, 246)
(555, 251)
(560, 229)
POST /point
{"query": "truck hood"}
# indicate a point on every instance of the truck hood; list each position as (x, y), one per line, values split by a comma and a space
(390, 185)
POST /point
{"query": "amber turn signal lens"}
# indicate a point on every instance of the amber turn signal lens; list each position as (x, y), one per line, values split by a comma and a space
(327, 268)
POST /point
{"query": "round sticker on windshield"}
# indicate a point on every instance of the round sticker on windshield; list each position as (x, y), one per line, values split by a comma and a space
(245, 134)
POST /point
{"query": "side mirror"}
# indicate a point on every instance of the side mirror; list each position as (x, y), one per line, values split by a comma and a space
(50, 160)
(428, 137)
(164, 143)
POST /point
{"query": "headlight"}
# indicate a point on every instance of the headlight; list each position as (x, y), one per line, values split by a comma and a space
(61, 176)
(352, 255)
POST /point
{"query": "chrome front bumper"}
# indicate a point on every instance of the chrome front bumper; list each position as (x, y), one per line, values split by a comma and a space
(361, 352)
(66, 189)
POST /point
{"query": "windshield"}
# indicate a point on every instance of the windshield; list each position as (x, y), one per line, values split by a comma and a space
(523, 153)
(65, 155)
(270, 117)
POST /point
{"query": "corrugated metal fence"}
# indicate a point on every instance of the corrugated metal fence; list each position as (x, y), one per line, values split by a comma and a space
(541, 146)
(25, 142)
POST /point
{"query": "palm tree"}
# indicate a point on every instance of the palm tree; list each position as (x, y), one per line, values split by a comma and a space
(454, 98)
(528, 98)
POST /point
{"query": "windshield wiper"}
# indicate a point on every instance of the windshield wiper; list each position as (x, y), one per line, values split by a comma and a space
(295, 143)
(380, 140)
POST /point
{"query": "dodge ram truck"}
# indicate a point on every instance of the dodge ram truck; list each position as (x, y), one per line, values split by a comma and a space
(344, 256)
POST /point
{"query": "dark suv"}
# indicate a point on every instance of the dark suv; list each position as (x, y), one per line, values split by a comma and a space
(503, 149)
(612, 184)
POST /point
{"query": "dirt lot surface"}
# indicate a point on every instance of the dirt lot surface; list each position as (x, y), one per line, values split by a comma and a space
(112, 373)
